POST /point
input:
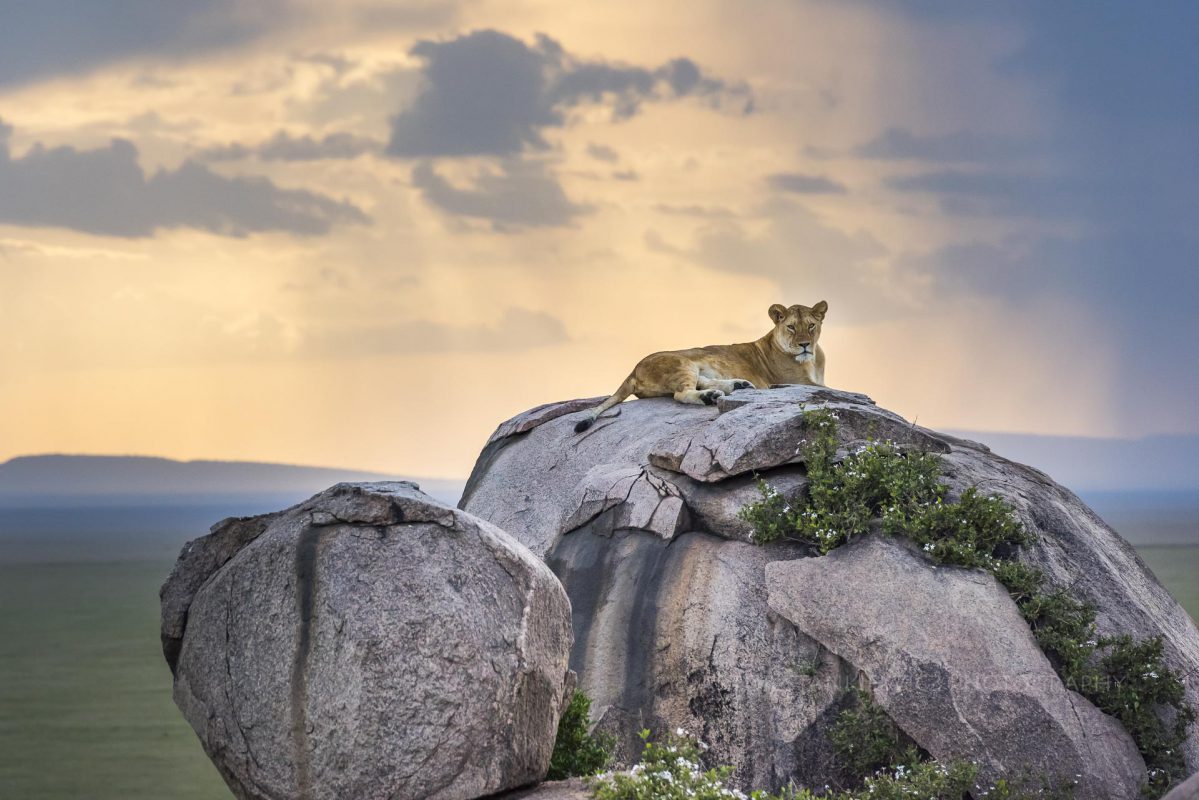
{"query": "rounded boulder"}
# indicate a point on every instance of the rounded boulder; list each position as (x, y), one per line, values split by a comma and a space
(368, 643)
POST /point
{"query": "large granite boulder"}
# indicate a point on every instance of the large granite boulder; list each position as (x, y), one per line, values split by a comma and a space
(368, 643)
(675, 622)
(951, 661)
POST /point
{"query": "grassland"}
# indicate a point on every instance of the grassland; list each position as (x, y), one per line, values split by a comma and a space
(1176, 566)
(85, 696)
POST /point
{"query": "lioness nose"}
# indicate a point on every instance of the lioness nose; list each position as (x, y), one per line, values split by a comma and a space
(805, 344)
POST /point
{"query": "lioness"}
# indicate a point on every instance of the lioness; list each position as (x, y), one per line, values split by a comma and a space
(787, 354)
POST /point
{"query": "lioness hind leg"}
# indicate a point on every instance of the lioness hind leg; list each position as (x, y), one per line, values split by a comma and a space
(675, 375)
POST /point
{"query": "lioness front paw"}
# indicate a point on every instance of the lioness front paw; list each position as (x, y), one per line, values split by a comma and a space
(711, 396)
(742, 385)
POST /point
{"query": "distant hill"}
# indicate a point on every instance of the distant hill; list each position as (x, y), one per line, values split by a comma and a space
(108, 480)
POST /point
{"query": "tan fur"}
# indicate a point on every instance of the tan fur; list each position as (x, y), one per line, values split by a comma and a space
(788, 353)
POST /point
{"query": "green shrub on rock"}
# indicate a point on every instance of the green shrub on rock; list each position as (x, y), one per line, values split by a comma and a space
(578, 753)
(669, 770)
(927, 780)
(865, 738)
(1147, 697)
(674, 770)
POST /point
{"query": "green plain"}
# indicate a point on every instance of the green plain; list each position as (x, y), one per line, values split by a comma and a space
(1177, 567)
(85, 696)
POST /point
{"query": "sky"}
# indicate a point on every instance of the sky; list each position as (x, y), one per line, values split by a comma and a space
(361, 234)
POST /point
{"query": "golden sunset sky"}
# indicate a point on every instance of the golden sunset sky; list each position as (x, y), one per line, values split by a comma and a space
(362, 234)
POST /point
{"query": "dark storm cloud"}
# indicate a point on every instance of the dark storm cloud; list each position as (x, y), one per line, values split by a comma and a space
(1140, 289)
(45, 38)
(1123, 90)
(797, 183)
(521, 195)
(106, 192)
(1003, 193)
(960, 146)
(1122, 95)
(285, 147)
(488, 93)
(601, 152)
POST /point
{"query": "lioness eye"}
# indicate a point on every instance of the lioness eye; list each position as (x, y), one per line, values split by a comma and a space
(812, 327)
(791, 328)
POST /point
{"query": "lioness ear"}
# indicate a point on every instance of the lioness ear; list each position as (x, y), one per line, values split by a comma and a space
(819, 309)
(777, 312)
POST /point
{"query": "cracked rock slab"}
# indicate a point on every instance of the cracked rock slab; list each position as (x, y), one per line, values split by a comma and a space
(636, 497)
(952, 662)
(760, 430)
(368, 643)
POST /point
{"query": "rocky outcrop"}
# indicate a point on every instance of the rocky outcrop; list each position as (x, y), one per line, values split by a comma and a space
(368, 643)
(949, 658)
(676, 624)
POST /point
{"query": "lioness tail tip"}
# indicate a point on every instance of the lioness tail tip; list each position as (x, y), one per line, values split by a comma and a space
(583, 424)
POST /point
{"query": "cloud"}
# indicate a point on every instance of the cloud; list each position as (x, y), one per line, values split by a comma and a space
(488, 93)
(359, 99)
(701, 212)
(48, 38)
(1003, 193)
(518, 329)
(796, 183)
(1092, 268)
(521, 195)
(407, 16)
(959, 146)
(806, 258)
(105, 191)
(285, 147)
(602, 152)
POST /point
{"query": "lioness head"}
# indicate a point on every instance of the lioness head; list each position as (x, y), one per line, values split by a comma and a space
(797, 329)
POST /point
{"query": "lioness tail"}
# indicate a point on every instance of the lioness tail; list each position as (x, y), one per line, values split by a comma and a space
(620, 396)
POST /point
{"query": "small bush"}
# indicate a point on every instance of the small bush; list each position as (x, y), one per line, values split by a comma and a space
(927, 780)
(578, 753)
(865, 738)
(843, 498)
(1136, 687)
(1065, 629)
(977, 532)
(671, 770)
